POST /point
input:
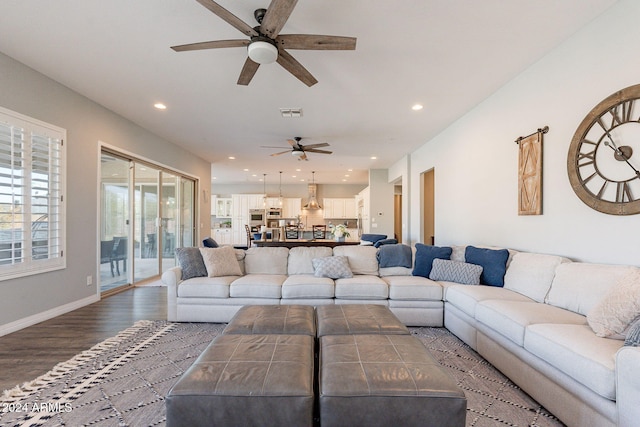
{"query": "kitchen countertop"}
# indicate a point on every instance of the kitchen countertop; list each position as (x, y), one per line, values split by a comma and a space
(292, 243)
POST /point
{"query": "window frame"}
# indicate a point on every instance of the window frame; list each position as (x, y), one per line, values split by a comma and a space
(38, 134)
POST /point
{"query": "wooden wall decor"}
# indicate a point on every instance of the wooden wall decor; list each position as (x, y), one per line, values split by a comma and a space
(530, 173)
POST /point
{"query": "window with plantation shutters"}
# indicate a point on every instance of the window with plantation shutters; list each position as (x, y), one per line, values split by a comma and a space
(32, 172)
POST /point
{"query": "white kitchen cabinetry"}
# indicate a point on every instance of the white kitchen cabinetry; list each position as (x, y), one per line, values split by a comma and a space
(292, 207)
(240, 205)
(273, 203)
(339, 208)
(363, 209)
(223, 236)
(222, 207)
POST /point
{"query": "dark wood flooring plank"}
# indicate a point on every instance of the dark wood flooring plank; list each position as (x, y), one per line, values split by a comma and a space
(33, 351)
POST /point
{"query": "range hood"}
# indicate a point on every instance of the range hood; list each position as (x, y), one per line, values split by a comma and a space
(312, 204)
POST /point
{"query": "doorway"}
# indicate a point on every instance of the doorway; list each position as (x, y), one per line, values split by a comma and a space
(428, 207)
(146, 212)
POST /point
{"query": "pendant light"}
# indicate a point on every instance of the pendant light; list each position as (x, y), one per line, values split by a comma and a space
(264, 190)
(280, 201)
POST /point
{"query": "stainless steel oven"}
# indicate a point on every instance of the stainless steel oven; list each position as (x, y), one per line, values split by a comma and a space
(256, 217)
(274, 213)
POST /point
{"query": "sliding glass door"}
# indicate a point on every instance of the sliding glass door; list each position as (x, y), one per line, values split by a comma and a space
(152, 204)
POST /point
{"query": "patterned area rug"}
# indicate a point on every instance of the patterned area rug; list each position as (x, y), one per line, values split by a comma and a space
(123, 380)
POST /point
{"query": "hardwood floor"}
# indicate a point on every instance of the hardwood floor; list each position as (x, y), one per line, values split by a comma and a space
(33, 351)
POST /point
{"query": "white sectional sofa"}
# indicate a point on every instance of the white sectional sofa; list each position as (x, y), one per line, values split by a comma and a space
(535, 329)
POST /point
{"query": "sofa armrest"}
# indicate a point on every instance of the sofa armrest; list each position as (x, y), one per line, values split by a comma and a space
(172, 277)
(628, 386)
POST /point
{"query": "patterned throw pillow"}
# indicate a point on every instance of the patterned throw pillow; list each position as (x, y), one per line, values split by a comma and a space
(452, 271)
(221, 261)
(333, 267)
(613, 314)
(633, 335)
(191, 262)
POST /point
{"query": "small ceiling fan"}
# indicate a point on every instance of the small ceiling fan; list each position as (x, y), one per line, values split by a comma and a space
(300, 151)
(265, 44)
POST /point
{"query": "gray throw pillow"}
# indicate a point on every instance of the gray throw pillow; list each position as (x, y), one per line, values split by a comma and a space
(191, 262)
(333, 267)
(633, 335)
(452, 271)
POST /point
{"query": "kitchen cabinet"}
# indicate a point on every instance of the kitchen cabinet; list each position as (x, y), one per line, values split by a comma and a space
(339, 208)
(363, 209)
(273, 203)
(223, 236)
(291, 207)
(240, 206)
(222, 207)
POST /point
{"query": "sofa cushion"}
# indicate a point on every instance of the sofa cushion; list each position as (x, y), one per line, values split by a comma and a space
(308, 286)
(511, 318)
(425, 255)
(613, 314)
(333, 267)
(466, 297)
(453, 271)
(493, 262)
(578, 352)
(258, 286)
(579, 286)
(531, 274)
(221, 261)
(413, 288)
(206, 287)
(300, 258)
(191, 262)
(362, 259)
(362, 287)
(266, 260)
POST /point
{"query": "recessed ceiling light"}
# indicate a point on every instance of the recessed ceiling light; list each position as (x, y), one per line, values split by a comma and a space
(298, 170)
(215, 177)
(417, 107)
(245, 169)
(294, 176)
(349, 170)
(344, 180)
(254, 175)
(231, 158)
(373, 157)
(160, 106)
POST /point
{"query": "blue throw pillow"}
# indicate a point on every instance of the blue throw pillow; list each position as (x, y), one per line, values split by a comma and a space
(493, 262)
(425, 255)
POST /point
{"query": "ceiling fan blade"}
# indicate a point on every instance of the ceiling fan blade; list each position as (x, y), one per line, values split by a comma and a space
(294, 144)
(272, 146)
(290, 64)
(321, 144)
(303, 157)
(228, 17)
(217, 44)
(313, 150)
(277, 14)
(282, 152)
(316, 42)
(248, 71)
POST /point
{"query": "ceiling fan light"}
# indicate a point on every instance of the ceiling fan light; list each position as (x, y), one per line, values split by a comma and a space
(262, 52)
(297, 153)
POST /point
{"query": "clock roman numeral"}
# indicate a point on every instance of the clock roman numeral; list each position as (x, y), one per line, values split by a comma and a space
(585, 159)
(621, 113)
(623, 193)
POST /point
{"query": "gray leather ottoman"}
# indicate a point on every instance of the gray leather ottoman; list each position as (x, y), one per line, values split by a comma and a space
(247, 380)
(358, 319)
(273, 319)
(385, 380)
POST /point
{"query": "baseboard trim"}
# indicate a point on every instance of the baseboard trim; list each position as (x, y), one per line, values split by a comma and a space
(46, 315)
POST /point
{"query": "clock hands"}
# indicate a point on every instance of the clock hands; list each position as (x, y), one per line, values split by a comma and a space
(621, 154)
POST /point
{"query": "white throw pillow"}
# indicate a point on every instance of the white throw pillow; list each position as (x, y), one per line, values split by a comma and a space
(613, 314)
(221, 261)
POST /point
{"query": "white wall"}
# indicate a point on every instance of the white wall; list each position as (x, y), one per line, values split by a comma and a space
(475, 159)
(28, 92)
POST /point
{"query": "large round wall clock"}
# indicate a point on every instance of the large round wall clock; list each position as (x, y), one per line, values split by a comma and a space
(604, 155)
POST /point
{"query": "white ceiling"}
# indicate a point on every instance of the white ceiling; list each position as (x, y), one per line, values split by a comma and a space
(448, 55)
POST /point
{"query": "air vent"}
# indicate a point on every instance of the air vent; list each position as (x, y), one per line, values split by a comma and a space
(291, 113)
